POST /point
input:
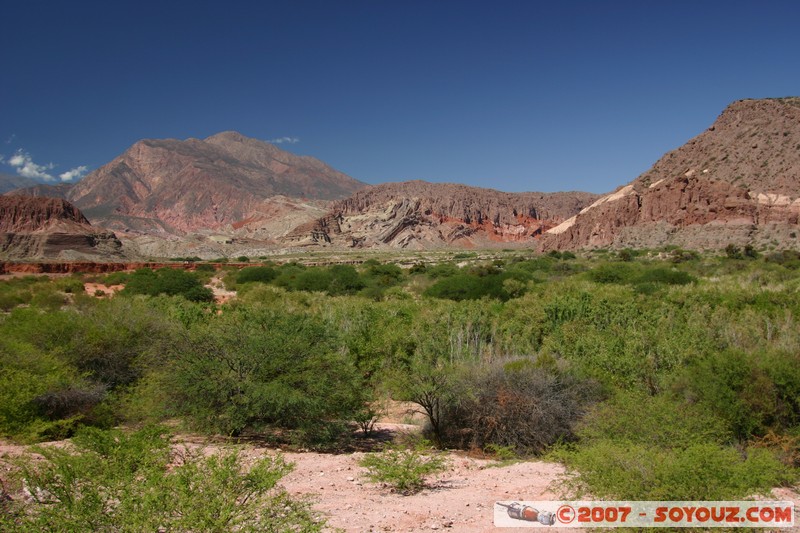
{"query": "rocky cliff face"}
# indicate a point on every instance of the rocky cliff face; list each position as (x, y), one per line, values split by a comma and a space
(50, 228)
(171, 186)
(418, 214)
(737, 182)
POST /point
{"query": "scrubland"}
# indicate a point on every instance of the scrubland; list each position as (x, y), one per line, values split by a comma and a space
(650, 375)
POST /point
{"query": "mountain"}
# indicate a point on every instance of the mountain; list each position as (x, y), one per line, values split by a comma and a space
(42, 189)
(418, 214)
(737, 182)
(173, 187)
(32, 228)
(9, 182)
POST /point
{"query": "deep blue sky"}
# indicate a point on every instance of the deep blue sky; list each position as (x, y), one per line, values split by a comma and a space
(513, 95)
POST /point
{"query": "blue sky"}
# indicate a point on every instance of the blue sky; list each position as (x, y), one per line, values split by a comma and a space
(512, 95)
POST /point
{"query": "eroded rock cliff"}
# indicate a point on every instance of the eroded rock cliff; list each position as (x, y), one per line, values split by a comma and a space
(35, 227)
(737, 182)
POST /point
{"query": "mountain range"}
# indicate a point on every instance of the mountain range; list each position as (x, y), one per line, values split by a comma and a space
(737, 182)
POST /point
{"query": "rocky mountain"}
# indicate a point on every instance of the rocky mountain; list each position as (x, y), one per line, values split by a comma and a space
(45, 190)
(9, 182)
(418, 214)
(32, 227)
(737, 182)
(174, 187)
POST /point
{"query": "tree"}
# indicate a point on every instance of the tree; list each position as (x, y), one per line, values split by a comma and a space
(253, 368)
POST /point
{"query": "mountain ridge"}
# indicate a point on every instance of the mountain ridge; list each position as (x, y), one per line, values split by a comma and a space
(420, 214)
(173, 186)
(737, 182)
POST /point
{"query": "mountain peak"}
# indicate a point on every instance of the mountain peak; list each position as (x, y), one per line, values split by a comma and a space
(227, 137)
(184, 186)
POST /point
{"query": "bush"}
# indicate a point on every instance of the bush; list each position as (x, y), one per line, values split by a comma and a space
(169, 281)
(344, 280)
(28, 377)
(258, 368)
(113, 481)
(205, 267)
(701, 471)
(468, 287)
(612, 273)
(261, 274)
(517, 405)
(442, 270)
(753, 393)
(670, 422)
(666, 276)
(404, 470)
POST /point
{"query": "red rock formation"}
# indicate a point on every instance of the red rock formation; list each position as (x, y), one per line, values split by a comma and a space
(738, 182)
(33, 227)
(421, 214)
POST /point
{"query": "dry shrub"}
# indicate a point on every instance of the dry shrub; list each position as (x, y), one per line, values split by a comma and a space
(516, 405)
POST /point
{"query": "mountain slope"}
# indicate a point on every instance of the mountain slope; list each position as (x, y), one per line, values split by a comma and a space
(172, 186)
(418, 214)
(737, 182)
(9, 182)
(60, 190)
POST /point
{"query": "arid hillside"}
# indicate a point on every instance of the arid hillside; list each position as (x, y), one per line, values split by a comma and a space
(737, 182)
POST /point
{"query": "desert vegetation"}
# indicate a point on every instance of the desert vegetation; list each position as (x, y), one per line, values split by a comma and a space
(650, 375)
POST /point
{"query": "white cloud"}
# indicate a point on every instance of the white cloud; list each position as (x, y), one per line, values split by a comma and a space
(27, 168)
(286, 140)
(74, 174)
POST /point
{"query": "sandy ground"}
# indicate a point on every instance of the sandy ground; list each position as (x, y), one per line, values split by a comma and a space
(107, 290)
(221, 294)
(460, 499)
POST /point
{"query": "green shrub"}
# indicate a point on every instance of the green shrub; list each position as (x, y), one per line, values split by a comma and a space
(701, 471)
(442, 270)
(169, 281)
(670, 422)
(404, 470)
(344, 280)
(666, 276)
(205, 267)
(112, 481)
(261, 274)
(28, 375)
(753, 393)
(612, 273)
(256, 368)
(468, 287)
